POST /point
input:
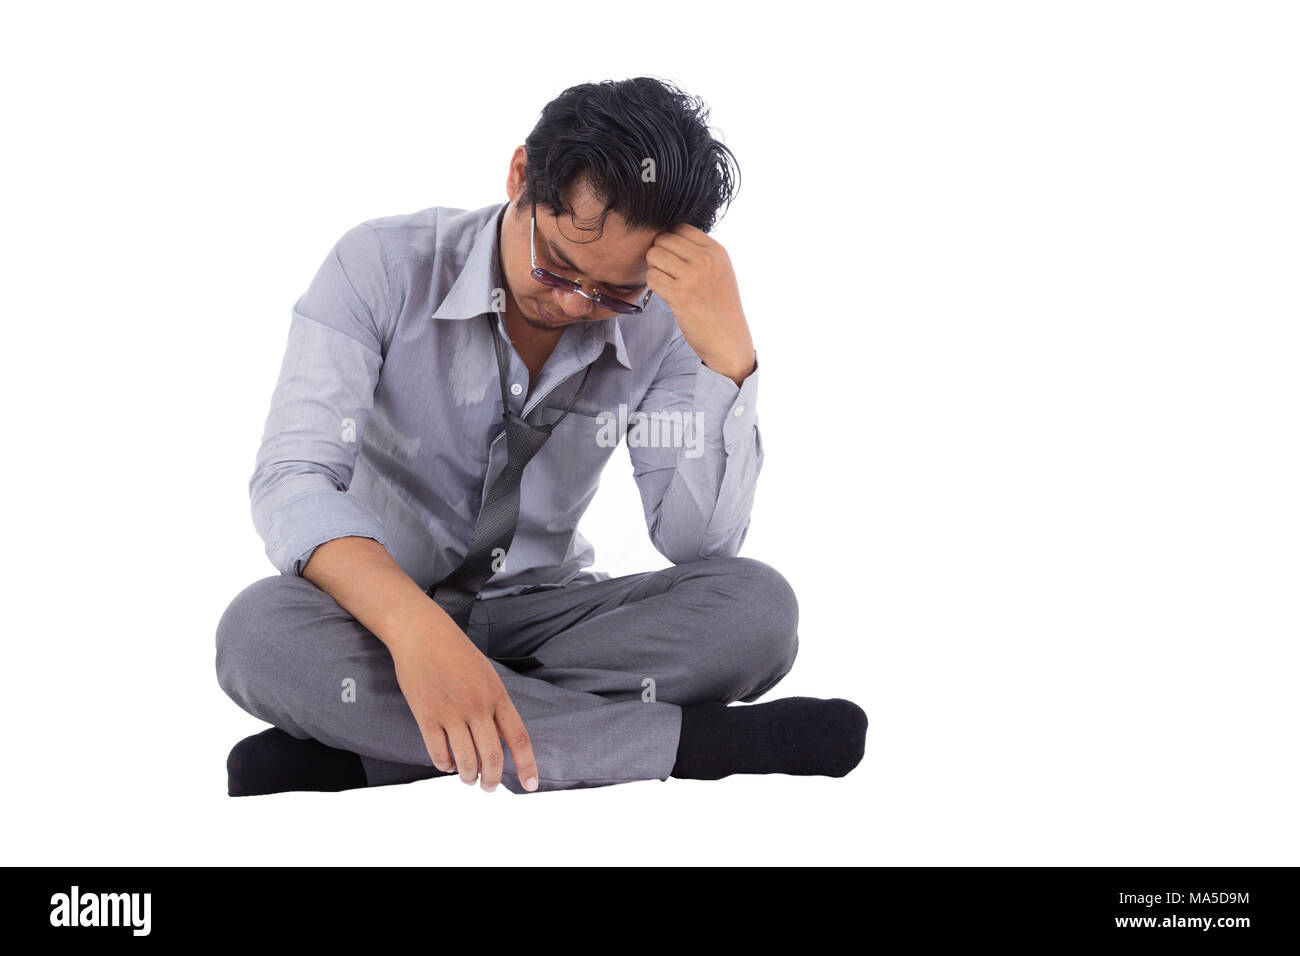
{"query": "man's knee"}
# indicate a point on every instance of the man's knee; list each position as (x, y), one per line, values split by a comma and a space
(248, 622)
(764, 612)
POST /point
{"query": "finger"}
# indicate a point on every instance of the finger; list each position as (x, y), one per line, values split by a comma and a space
(664, 256)
(435, 741)
(462, 748)
(660, 282)
(515, 734)
(491, 760)
(693, 234)
(682, 246)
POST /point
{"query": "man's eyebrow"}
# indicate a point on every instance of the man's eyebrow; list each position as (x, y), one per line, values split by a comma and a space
(558, 254)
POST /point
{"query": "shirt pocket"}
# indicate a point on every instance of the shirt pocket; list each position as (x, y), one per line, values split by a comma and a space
(583, 441)
(567, 469)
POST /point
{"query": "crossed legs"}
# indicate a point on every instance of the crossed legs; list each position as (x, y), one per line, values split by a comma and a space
(619, 659)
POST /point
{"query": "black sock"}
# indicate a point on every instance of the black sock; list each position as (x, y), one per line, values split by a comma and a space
(797, 735)
(274, 761)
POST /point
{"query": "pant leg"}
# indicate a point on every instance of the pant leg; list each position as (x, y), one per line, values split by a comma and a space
(287, 653)
(723, 629)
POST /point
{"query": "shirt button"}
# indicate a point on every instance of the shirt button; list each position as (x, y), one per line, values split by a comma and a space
(516, 389)
(740, 410)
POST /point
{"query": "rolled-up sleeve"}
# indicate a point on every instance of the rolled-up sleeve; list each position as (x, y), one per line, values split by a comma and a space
(699, 494)
(320, 406)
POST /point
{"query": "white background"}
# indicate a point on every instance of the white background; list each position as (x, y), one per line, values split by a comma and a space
(1022, 278)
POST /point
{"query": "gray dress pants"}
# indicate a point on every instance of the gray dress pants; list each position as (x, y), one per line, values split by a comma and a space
(612, 664)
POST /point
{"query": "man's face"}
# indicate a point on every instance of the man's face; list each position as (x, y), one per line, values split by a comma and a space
(614, 264)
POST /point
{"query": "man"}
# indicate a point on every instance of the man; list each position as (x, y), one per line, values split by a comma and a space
(433, 599)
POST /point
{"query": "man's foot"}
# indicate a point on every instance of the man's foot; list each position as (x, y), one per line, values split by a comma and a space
(274, 761)
(798, 735)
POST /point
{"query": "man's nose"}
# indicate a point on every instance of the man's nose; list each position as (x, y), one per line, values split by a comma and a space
(575, 306)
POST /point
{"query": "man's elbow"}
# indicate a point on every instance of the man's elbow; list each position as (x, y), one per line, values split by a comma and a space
(681, 548)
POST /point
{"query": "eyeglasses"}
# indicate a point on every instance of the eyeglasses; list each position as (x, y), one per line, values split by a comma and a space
(573, 285)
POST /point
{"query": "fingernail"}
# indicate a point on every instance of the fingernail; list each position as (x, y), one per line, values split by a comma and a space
(492, 789)
(530, 783)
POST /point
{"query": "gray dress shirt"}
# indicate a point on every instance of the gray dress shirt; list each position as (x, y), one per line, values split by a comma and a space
(386, 419)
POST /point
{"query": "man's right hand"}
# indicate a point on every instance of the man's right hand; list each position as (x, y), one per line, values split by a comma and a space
(461, 705)
(456, 696)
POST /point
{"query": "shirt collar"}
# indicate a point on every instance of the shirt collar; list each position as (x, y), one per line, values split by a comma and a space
(471, 294)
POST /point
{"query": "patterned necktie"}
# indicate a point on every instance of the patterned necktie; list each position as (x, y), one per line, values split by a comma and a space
(500, 512)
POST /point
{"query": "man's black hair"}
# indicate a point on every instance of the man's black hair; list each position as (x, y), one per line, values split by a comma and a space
(604, 133)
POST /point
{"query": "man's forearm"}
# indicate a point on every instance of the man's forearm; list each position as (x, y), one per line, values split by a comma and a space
(363, 578)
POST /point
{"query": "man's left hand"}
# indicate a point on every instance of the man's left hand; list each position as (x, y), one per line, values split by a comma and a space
(692, 273)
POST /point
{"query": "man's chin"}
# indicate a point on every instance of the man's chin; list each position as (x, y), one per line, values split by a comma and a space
(547, 323)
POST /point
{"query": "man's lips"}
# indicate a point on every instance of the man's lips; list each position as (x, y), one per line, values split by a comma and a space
(546, 315)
